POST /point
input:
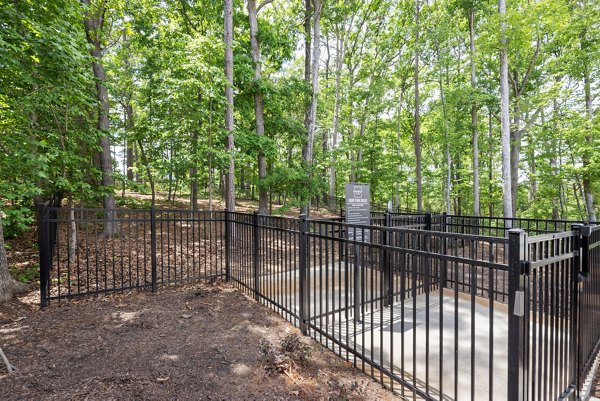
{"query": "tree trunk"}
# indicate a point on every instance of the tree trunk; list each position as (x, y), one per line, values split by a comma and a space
(307, 156)
(476, 191)
(490, 166)
(587, 185)
(263, 198)
(93, 23)
(417, 136)
(130, 143)
(229, 143)
(339, 63)
(507, 200)
(448, 154)
(148, 171)
(72, 232)
(515, 152)
(209, 157)
(8, 286)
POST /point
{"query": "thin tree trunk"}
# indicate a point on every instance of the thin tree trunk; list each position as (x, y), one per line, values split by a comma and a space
(307, 156)
(263, 198)
(148, 171)
(229, 141)
(490, 166)
(448, 154)
(93, 23)
(209, 157)
(8, 286)
(417, 136)
(587, 184)
(556, 182)
(72, 232)
(476, 191)
(515, 152)
(507, 200)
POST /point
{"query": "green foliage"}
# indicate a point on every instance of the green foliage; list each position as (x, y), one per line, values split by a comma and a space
(164, 64)
(28, 275)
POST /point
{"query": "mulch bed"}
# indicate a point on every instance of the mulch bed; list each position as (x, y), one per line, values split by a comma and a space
(203, 341)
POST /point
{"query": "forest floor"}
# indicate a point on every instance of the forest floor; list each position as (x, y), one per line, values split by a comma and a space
(202, 341)
(205, 341)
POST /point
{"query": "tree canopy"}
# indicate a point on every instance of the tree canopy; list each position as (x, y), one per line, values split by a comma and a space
(403, 102)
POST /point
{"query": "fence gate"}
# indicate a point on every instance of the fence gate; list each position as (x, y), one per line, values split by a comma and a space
(554, 320)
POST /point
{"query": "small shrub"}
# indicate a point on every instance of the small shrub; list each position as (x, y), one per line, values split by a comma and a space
(28, 275)
(287, 357)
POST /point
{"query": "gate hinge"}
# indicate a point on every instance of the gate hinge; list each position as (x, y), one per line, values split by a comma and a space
(525, 267)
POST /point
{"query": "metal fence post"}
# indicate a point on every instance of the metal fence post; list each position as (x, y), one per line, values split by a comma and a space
(579, 276)
(387, 265)
(256, 255)
(444, 240)
(43, 245)
(227, 247)
(153, 245)
(517, 245)
(303, 266)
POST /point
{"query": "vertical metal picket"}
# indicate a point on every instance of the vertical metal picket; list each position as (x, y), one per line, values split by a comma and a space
(303, 267)
(386, 260)
(517, 245)
(153, 246)
(43, 245)
(256, 255)
(575, 354)
(227, 247)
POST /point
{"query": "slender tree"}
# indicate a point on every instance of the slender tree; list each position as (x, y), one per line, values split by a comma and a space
(507, 201)
(476, 190)
(417, 129)
(253, 10)
(229, 144)
(307, 154)
(94, 13)
(8, 286)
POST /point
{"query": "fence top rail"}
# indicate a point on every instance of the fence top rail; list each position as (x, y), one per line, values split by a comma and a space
(470, 237)
(550, 236)
(527, 219)
(128, 210)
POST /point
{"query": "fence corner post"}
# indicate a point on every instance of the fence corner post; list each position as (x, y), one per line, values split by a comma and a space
(43, 252)
(386, 260)
(256, 254)
(517, 296)
(153, 246)
(303, 267)
(578, 278)
(227, 247)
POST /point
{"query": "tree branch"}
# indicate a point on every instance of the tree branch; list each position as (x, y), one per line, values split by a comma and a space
(261, 5)
(531, 64)
(9, 367)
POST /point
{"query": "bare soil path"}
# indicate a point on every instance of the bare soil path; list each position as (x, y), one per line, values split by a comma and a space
(203, 341)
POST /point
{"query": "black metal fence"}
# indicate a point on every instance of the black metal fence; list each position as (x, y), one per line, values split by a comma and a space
(432, 306)
(151, 247)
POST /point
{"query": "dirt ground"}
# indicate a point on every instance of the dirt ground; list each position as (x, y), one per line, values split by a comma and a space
(204, 341)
